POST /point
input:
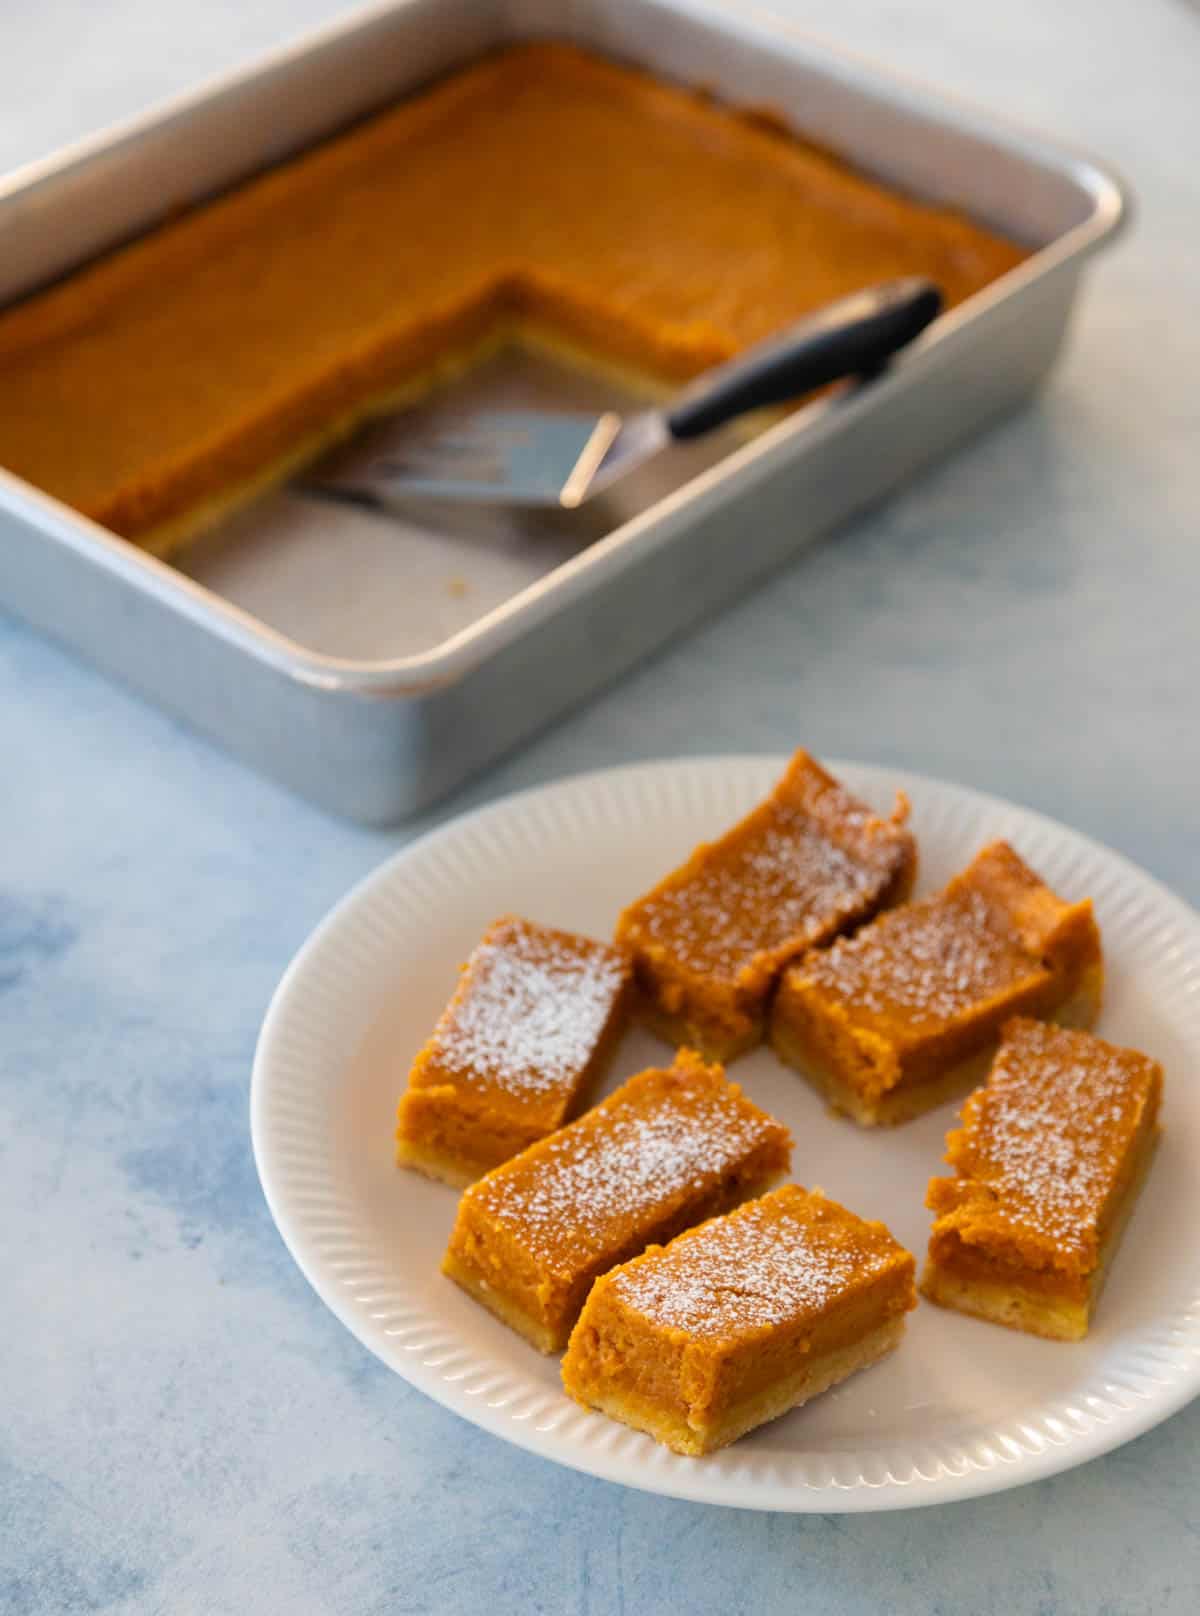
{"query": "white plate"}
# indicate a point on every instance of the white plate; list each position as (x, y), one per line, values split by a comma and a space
(963, 1407)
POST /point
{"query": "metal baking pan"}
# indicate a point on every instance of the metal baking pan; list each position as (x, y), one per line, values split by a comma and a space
(374, 667)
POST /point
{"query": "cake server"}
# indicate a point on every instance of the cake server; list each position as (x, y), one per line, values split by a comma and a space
(557, 460)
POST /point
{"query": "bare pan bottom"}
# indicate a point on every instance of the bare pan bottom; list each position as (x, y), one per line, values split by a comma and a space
(169, 539)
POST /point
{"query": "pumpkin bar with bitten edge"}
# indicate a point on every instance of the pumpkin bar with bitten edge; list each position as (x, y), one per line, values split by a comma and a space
(740, 1320)
(905, 1014)
(710, 940)
(667, 1149)
(529, 1031)
(1048, 1165)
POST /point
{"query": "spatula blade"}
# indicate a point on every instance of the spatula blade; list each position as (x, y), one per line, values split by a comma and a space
(501, 457)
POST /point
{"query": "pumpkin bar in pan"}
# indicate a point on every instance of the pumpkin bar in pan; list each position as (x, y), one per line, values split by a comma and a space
(666, 1150)
(541, 194)
(517, 1051)
(710, 940)
(906, 1013)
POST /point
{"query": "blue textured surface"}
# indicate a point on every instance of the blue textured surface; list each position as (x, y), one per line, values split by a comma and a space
(183, 1427)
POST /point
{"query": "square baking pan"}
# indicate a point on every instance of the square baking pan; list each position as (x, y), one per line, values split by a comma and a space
(371, 663)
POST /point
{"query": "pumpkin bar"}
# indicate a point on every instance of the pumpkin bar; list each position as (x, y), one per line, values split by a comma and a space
(710, 940)
(668, 1148)
(740, 1320)
(906, 1014)
(541, 194)
(1048, 1165)
(529, 1030)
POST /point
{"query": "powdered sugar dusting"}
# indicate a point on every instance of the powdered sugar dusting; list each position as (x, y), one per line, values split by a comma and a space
(1052, 1127)
(629, 1162)
(784, 1258)
(926, 963)
(532, 1009)
(787, 884)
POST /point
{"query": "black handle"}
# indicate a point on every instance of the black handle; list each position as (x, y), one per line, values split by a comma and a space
(851, 337)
